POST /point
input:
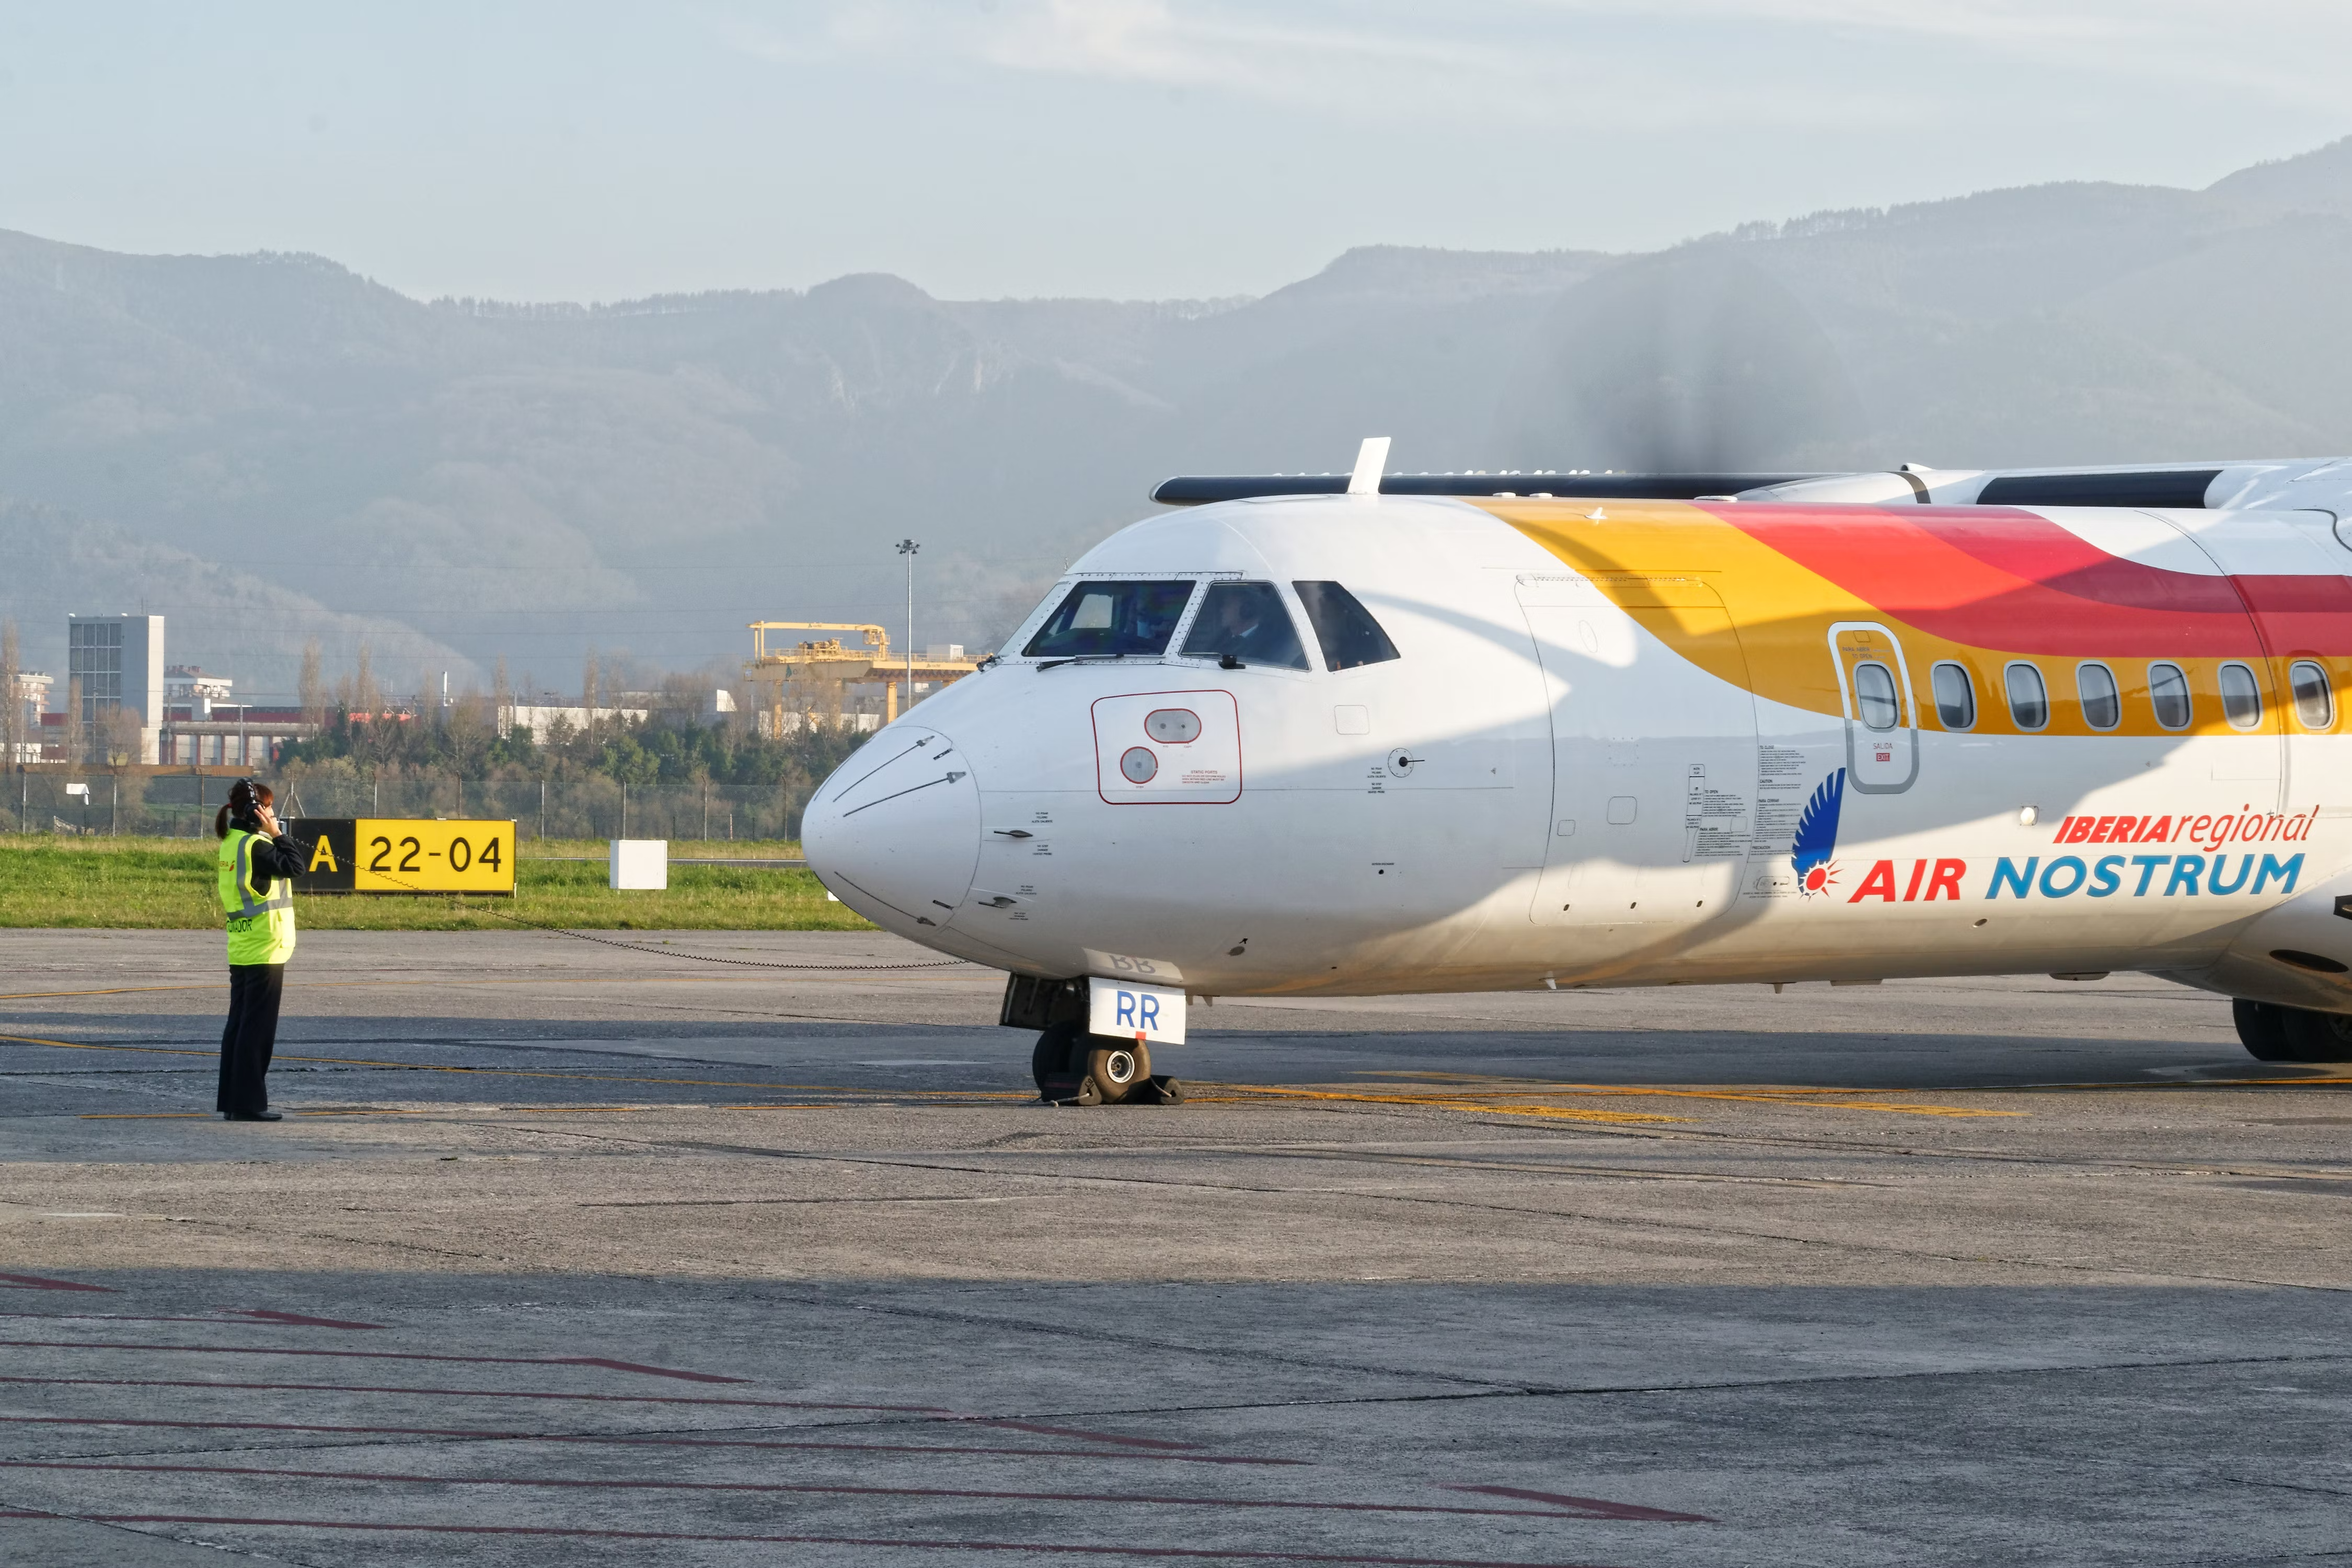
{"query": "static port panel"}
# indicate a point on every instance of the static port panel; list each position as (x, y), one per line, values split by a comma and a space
(1169, 748)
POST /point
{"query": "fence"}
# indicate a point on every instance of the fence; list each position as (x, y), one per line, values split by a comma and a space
(182, 804)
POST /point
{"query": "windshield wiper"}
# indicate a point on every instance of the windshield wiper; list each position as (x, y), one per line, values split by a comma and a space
(1091, 658)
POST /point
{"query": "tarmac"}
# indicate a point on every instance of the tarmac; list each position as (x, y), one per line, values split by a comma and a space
(599, 1252)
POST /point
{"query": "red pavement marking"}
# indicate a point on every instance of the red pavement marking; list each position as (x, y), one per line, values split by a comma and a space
(904, 1544)
(298, 1320)
(376, 1355)
(35, 1282)
(1597, 1508)
(599, 1481)
(153, 1318)
(608, 1362)
(1042, 1430)
(929, 1410)
(498, 1437)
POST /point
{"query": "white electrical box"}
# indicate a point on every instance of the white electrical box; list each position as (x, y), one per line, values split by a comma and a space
(640, 864)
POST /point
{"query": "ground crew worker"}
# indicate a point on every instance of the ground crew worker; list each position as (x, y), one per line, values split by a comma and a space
(257, 864)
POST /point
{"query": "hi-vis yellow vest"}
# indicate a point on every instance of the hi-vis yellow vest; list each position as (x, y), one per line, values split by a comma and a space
(260, 919)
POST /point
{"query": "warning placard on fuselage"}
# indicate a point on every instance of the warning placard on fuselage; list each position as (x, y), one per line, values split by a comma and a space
(405, 855)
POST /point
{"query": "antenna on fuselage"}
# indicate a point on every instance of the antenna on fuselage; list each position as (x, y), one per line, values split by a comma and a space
(1371, 459)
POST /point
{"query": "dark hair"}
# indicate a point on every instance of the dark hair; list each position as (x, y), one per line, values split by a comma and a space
(245, 797)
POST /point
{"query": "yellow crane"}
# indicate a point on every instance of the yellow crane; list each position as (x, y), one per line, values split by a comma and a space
(839, 661)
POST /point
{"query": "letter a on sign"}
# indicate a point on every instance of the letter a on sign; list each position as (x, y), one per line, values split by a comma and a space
(329, 867)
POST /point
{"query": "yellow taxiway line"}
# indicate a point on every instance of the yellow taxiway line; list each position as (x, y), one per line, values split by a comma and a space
(1646, 1091)
(1444, 1101)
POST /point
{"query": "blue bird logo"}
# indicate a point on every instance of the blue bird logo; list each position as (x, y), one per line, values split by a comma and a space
(1816, 838)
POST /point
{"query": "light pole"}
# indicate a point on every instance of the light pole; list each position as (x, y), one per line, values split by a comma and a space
(908, 547)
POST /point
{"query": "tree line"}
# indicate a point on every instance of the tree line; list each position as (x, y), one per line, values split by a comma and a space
(671, 743)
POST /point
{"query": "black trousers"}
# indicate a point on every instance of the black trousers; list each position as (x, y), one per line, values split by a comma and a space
(251, 1036)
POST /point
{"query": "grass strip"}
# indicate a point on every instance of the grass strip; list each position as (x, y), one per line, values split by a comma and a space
(167, 884)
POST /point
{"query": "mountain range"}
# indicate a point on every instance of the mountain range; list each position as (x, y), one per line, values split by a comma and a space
(270, 448)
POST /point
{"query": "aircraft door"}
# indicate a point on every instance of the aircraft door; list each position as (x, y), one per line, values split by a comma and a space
(1654, 750)
(2291, 581)
(1882, 715)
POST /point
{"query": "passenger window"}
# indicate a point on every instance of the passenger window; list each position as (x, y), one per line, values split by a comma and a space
(1346, 629)
(1955, 698)
(1873, 695)
(2168, 693)
(1112, 620)
(1245, 621)
(2242, 700)
(2028, 700)
(2315, 704)
(2103, 705)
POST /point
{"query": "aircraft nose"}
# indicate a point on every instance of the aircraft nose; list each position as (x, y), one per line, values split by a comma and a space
(895, 834)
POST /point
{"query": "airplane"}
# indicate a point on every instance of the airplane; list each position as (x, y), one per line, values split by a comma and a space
(1343, 735)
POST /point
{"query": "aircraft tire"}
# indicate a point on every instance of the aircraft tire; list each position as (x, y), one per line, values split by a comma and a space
(2314, 1036)
(1117, 1069)
(2261, 1029)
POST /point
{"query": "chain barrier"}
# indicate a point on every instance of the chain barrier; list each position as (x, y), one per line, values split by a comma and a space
(459, 903)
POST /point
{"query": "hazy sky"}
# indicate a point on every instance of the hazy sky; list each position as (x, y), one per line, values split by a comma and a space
(1133, 148)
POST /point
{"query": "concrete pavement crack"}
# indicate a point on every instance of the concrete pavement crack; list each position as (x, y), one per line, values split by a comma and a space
(2288, 1487)
(157, 1535)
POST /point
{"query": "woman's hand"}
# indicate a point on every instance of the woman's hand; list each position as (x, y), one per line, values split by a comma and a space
(269, 820)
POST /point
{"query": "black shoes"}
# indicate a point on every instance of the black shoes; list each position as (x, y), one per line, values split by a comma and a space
(252, 1116)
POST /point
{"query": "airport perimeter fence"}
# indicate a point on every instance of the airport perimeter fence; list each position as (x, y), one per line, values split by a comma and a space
(180, 805)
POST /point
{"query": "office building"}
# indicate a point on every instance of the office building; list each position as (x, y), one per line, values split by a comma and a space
(114, 666)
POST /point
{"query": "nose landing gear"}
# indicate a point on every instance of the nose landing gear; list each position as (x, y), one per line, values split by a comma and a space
(1073, 1067)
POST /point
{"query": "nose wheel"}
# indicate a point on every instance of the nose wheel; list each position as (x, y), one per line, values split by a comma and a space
(1073, 1067)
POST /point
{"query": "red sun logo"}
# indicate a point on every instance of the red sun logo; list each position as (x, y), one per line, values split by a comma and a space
(1819, 878)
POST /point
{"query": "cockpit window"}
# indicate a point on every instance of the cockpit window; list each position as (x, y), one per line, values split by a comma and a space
(1346, 629)
(1245, 621)
(1108, 619)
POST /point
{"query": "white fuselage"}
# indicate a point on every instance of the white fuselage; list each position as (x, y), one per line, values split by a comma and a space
(1539, 789)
